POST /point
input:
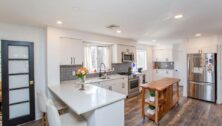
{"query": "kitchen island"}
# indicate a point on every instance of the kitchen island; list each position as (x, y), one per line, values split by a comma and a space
(99, 106)
(166, 93)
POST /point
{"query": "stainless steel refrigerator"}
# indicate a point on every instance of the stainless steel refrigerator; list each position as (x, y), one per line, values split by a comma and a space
(202, 76)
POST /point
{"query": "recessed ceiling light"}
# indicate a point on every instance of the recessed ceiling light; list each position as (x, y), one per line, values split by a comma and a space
(59, 22)
(153, 40)
(119, 31)
(178, 16)
(198, 34)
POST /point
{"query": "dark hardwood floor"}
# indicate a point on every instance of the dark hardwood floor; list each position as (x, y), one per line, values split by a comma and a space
(189, 112)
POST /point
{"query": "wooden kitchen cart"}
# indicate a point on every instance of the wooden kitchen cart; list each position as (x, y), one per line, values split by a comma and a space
(166, 97)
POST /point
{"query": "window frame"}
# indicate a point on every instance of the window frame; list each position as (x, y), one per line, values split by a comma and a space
(109, 55)
(145, 57)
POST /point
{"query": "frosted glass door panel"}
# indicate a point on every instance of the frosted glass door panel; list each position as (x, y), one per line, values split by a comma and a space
(18, 81)
(19, 110)
(18, 52)
(18, 67)
(16, 96)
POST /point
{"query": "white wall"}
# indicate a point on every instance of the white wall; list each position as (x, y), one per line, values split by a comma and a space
(219, 69)
(149, 71)
(180, 64)
(53, 47)
(32, 34)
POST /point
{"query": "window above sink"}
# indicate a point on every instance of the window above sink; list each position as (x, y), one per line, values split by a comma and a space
(94, 55)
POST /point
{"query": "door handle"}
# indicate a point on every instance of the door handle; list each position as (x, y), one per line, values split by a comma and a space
(123, 85)
(31, 82)
(110, 88)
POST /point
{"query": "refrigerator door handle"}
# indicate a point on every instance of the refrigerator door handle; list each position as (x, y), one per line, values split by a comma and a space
(201, 83)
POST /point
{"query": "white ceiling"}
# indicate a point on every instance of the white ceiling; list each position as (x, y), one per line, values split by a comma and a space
(142, 20)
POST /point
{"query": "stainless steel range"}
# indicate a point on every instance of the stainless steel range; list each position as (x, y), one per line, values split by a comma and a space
(202, 76)
(133, 84)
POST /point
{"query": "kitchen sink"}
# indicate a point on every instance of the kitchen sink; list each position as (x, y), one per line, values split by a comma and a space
(104, 77)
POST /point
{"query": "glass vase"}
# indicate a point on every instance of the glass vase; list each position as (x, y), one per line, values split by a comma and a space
(82, 80)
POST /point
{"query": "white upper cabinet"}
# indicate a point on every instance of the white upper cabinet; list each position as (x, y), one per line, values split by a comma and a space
(163, 55)
(202, 45)
(117, 52)
(71, 51)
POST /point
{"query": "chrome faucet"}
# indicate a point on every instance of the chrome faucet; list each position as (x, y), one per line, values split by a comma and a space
(100, 71)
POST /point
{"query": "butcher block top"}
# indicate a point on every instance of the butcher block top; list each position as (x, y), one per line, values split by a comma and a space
(162, 84)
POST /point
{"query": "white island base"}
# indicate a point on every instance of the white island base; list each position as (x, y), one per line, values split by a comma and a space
(100, 107)
(110, 115)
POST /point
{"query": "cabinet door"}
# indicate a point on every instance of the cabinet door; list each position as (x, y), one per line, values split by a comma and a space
(169, 73)
(116, 85)
(163, 55)
(117, 53)
(71, 51)
(193, 50)
(120, 86)
(209, 49)
(140, 81)
(158, 55)
(156, 74)
(97, 84)
(155, 55)
(107, 85)
(169, 55)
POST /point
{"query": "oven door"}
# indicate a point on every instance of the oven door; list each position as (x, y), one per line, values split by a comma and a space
(133, 87)
(134, 83)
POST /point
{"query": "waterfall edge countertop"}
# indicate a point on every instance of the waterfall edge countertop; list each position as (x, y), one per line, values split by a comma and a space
(82, 101)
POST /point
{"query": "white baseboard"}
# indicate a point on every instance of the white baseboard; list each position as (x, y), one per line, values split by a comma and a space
(38, 116)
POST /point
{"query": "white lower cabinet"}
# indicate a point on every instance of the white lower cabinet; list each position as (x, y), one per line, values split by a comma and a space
(117, 85)
(161, 73)
(140, 81)
(97, 84)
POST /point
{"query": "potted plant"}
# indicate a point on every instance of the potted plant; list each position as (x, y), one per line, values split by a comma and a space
(152, 96)
(151, 110)
(81, 74)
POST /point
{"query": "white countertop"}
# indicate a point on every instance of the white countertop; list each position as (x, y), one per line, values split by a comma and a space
(97, 79)
(84, 101)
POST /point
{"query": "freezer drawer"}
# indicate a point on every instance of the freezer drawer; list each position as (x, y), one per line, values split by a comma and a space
(203, 91)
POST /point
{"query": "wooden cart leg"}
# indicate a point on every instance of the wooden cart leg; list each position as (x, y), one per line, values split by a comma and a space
(156, 107)
(178, 93)
(44, 121)
(143, 103)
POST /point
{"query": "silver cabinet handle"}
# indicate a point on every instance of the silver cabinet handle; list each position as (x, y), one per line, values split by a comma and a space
(74, 60)
(123, 85)
(71, 60)
(110, 88)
